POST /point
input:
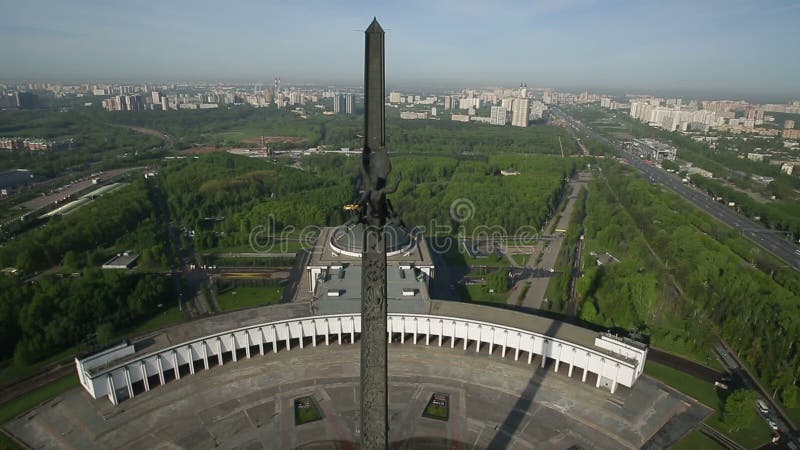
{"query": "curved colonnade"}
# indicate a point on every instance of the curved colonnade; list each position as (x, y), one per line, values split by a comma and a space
(119, 373)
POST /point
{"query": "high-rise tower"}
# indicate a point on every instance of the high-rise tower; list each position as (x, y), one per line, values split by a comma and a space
(338, 103)
(521, 107)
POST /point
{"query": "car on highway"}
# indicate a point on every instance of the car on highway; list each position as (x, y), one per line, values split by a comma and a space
(762, 406)
(772, 425)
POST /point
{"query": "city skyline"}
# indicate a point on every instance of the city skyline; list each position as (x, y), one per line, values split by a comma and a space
(713, 49)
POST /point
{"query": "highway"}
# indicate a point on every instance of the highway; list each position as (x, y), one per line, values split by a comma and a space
(770, 240)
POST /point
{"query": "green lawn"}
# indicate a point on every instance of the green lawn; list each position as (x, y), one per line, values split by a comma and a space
(479, 293)
(306, 415)
(521, 259)
(6, 443)
(306, 410)
(246, 297)
(244, 248)
(754, 434)
(674, 339)
(28, 401)
(165, 318)
(489, 261)
(436, 412)
(794, 414)
(701, 390)
(11, 373)
(291, 245)
(696, 440)
(457, 256)
(269, 261)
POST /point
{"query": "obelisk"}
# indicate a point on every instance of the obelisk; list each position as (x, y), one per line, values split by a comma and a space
(375, 172)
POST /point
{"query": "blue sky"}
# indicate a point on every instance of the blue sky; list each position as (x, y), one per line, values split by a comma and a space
(698, 47)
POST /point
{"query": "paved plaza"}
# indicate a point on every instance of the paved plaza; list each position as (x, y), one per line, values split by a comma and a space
(494, 403)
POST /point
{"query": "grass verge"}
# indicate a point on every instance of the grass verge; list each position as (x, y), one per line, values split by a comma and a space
(28, 401)
(246, 297)
(521, 259)
(701, 390)
(753, 434)
(696, 440)
(11, 373)
(169, 316)
(479, 293)
(6, 443)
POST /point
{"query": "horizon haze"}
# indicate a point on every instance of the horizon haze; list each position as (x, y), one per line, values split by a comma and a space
(740, 49)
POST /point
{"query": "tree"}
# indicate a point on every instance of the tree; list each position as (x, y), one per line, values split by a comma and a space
(29, 258)
(104, 333)
(12, 296)
(72, 261)
(738, 408)
(588, 311)
(791, 396)
(149, 291)
(498, 281)
(671, 165)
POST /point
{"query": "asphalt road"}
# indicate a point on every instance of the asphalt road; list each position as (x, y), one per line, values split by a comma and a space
(769, 240)
(744, 378)
(540, 275)
(764, 237)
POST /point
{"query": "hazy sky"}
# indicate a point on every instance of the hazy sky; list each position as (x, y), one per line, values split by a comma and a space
(698, 46)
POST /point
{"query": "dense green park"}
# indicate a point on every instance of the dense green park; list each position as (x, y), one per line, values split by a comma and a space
(86, 141)
(726, 161)
(99, 134)
(683, 278)
(56, 313)
(245, 193)
(76, 301)
(222, 198)
(127, 219)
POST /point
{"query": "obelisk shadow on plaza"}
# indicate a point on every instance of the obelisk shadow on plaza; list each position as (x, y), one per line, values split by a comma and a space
(513, 421)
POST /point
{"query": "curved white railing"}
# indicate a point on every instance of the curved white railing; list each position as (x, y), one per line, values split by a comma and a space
(101, 375)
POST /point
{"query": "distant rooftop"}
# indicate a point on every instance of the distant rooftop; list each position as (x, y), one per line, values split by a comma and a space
(345, 247)
(402, 283)
(605, 259)
(121, 261)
